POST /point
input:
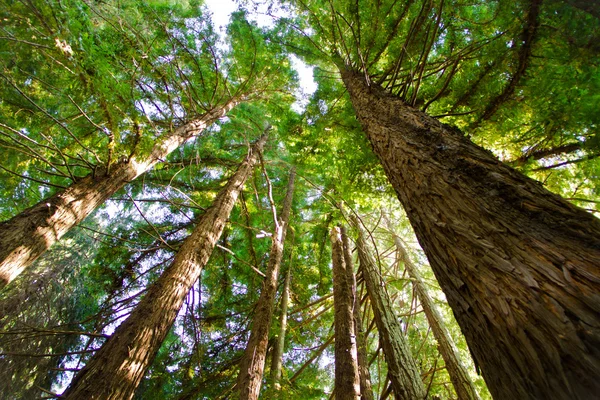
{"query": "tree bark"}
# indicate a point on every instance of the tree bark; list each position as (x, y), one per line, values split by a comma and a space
(402, 368)
(366, 389)
(26, 236)
(456, 370)
(276, 362)
(518, 264)
(253, 362)
(116, 370)
(347, 384)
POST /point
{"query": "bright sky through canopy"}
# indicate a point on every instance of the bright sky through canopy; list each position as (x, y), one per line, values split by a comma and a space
(221, 11)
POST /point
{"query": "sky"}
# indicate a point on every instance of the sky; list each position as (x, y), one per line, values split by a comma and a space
(222, 9)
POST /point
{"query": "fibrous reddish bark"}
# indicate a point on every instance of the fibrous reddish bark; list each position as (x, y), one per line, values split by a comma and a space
(26, 236)
(347, 384)
(518, 264)
(402, 368)
(253, 362)
(456, 370)
(116, 370)
(276, 362)
(366, 389)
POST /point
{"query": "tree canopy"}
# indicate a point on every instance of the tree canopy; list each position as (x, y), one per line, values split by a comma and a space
(89, 85)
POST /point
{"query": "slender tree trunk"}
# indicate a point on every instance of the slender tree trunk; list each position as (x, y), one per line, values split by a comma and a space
(116, 370)
(312, 358)
(253, 362)
(347, 382)
(26, 236)
(544, 153)
(366, 390)
(518, 264)
(456, 370)
(279, 346)
(402, 368)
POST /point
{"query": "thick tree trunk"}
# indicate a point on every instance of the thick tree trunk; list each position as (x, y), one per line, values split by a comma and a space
(366, 390)
(116, 370)
(276, 362)
(347, 384)
(518, 264)
(456, 370)
(26, 236)
(402, 368)
(253, 362)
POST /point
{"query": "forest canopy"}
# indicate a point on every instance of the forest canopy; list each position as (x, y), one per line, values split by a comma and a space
(180, 219)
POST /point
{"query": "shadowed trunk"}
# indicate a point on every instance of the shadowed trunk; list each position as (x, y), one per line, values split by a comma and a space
(518, 264)
(26, 236)
(402, 368)
(279, 346)
(253, 362)
(366, 390)
(116, 370)
(347, 384)
(456, 370)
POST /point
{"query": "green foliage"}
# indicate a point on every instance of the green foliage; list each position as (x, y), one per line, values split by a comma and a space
(88, 83)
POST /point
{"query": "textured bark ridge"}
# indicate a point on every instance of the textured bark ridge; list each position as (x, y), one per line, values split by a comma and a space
(366, 390)
(252, 364)
(26, 236)
(116, 370)
(518, 264)
(347, 386)
(276, 361)
(456, 370)
(402, 368)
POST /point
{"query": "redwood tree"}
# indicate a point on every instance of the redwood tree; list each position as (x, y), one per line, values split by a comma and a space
(252, 364)
(402, 368)
(277, 360)
(26, 236)
(465, 390)
(366, 390)
(347, 384)
(518, 264)
(116, 370)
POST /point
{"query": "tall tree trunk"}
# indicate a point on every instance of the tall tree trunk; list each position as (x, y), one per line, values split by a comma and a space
(347, 384)
(116, 370)
(366, 390)
(456, 370)
(518, 264)
(253, 362)
(279, 346)
(26, 236)
(402, 368)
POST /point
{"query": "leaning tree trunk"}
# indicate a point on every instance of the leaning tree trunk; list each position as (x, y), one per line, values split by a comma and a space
(347, 384)
(456, 370)
(402, 368)
(26, 236)
(518, 264)
(116, 370)
(252, 364)
(276, 362)
(366, 390)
